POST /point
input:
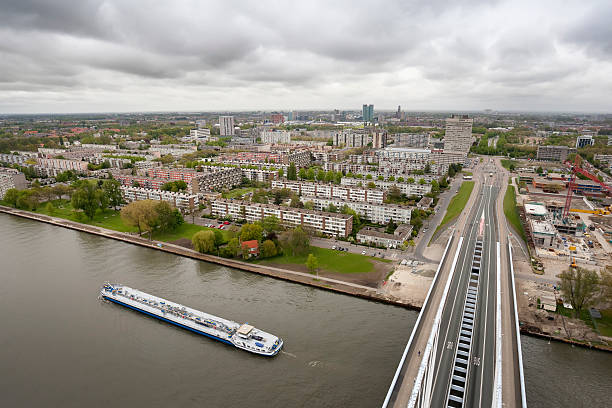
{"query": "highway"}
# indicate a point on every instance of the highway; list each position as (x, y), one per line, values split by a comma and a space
(470, 339)
(480, 367)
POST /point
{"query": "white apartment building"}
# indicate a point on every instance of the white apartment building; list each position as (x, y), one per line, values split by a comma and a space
(352, 139)
(14, 158)
(11, 178)
(175, 150)
(339, 225)
(63, 164)
(406, 188)
(182, 201)
(200, 134)
(369, 235)
(458, 135)
(226, 125)
(378, 213)
(323, 190)
(275, 137)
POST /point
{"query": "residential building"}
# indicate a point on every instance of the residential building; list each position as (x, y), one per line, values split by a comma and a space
(424, 203)
(226, 125)
(415, 140)
(373, 236)
(333, 224)
(277, 118)
(377, 213)
(174, 150)
(408, 189)
(250, 248)
(458, 134)
(14, 158)
(275, 137)
(63, 164)
(584, 140)
(183, 201)
(352, 138)
(11, 178)
(323, 190)
(379, 138)
(556, 153)
(200, 134)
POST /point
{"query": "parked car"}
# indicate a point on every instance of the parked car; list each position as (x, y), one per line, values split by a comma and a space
(226, 222)
(363, 252)
(334, 247)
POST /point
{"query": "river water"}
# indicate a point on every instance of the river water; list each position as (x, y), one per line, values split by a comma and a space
(60, 346)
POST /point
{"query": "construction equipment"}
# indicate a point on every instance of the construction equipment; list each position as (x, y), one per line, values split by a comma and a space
(576, 169)
(573, 264)
(597, 211)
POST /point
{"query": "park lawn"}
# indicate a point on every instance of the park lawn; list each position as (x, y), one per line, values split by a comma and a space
(329, 260)
(512, 213)
(111, 219)
(506, 163)
(238, 192)
(457, 203)
(605, 323)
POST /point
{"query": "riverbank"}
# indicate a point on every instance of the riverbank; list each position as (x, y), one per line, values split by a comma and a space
(320, 282)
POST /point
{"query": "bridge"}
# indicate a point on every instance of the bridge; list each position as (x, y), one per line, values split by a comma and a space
(465, 350)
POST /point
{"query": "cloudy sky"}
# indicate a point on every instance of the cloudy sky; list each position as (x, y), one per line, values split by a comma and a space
(198, 55)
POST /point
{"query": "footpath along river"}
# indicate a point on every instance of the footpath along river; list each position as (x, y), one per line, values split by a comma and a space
(61, 346)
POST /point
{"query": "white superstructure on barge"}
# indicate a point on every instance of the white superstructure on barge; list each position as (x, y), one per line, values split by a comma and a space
(243, 336)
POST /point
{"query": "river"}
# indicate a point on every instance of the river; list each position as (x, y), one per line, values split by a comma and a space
(61, 346)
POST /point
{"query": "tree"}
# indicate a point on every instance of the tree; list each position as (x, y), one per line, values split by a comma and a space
(540, 170)
(400, 179)
(270, 224)
(232, 249)
(321, 175)
(60, 190)
(371, 185)
(204, 242)
(27, 200)
(219, 238)
(166, 216)
(281, 173)
(11, 196)
(332, 208)
(580, 287)
(427, 168)
(312, 263)
(422, 181)
(368, 177)
(295, 202)
(141, 215)
(394, 193)
(268, 249)
(410, 180)
(295, 241)
(250, 232)
(302, 173)
(309, 205)
(391, 227)
(329, 177)
(112, 190)
(89, 198)
(310, 174)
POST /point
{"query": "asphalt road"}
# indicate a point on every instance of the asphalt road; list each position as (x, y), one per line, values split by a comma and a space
(479, 389)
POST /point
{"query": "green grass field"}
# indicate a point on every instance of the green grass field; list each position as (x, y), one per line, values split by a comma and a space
(111, 219)
(457, 203)
(236, 193)
(506, 163)
(330, 260)
(512, 213)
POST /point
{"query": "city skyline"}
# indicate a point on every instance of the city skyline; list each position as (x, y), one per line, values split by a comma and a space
(72, 57)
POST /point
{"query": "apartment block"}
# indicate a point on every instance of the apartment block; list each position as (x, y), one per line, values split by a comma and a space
(182, 201)
(369, 236)
(62, 164)
(11, 178)
(333, 224)
(323, 190)
(14, 158)
(556, 153)
(415, 140)
(405, 188)
(458, 134)
(378, 213)
(275, 137)
(352, 139)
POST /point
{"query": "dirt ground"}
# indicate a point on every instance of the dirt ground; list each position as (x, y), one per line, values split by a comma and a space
(184, 242)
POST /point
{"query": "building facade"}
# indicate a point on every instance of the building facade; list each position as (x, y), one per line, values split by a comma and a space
(226, 125)
(377, 213)
(322, 190)
(339, 225)
(183, 201)
(458, 134)
(557, 153)
(11, 178)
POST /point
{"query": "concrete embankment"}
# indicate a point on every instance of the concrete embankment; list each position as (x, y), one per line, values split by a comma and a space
(333, 285)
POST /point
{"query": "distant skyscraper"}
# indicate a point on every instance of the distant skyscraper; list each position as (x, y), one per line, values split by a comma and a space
(458, 135)
(226, 125)
(398, 115)
(368, 113)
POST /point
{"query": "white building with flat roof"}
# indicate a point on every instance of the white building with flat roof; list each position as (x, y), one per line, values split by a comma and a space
(458, 134)
(226, 125)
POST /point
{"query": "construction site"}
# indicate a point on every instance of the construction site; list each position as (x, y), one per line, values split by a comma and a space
(566, 214)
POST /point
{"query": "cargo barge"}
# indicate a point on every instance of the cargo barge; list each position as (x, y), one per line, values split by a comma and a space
(242, 336)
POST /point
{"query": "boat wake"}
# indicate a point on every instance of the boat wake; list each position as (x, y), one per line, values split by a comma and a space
(289, 354)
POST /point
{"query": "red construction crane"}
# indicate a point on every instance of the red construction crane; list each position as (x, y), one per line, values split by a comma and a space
(575, 168)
